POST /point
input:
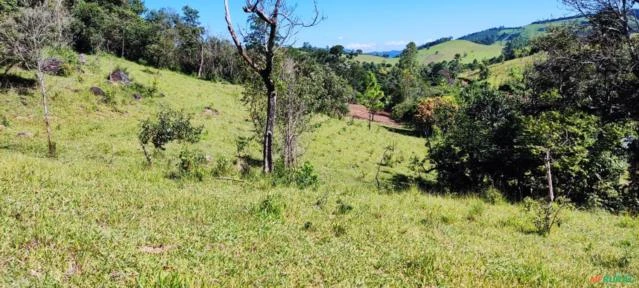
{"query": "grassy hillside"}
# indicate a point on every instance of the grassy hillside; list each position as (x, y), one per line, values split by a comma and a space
(502, 72)
(445, 52)
(98, 216)
(468, 50)
(375, 59)
(531, 31)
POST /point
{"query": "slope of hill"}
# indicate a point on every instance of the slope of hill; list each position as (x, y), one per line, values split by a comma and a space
(98, 216)
(469, 51)
(531, 31)
(445, 52)
(365, 58)
(500, 73)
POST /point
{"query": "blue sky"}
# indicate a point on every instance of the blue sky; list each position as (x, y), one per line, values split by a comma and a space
(380, 25)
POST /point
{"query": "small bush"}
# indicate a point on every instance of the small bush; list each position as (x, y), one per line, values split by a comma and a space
(190, 165)
(271, 207)
(545, 215)
(168, 126)
(222, 167)
(146, 91)
(303, 177)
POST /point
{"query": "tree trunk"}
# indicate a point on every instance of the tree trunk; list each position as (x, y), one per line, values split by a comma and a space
(45, 106)
(551, 191)
(122, 46)
(371, 118)
(269, 127)
(199, 71)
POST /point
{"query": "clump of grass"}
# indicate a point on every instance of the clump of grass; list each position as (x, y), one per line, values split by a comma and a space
(4, 121)
(190, 164)
(222, 167)
(343, 208)
(339, 230)
(271, 207)
(475, 212)
(302, 177)
(170, 280)
(492, 196)
(308, 226)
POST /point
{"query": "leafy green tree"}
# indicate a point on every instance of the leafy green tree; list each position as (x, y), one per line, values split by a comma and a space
(372, 97)
(408, 58)
(484, 72)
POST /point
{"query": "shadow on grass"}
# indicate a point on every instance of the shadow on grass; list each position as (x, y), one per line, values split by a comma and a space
(9, 81)
(402, 131)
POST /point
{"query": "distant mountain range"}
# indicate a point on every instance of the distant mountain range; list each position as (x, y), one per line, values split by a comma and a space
(386, 54)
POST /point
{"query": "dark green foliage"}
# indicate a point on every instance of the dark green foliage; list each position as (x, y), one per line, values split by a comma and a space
(489, 36)
(167, 126)
(631, 192)
(479, 146)
(222, 167)
(493, 143)
(302, 177)
(162, 38)
(435, 43)
(190, 164)
(271, 207)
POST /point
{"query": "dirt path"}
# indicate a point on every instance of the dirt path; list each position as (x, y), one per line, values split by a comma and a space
(360, 112)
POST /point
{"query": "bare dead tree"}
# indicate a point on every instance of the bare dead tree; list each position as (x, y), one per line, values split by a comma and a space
(278, 17)
(294, 110)
(26, 36)
(622, 10)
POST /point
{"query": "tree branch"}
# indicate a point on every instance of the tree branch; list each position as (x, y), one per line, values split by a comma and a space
(236, 40)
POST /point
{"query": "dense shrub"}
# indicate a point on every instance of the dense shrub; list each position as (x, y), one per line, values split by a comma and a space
(494, 144)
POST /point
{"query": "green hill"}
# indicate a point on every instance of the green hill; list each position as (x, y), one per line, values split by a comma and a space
(502, 72)
(97, 215)
(445, 52)
(469, 51)
(364, 58)
(527, 32)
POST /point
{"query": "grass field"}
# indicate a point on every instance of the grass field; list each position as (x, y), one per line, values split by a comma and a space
(468, 50)
(98, 216)
(445, 52)
(500, 73)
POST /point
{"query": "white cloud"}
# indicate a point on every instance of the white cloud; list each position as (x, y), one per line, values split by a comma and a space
(362, 46)
(396, 43)
(340, 38)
